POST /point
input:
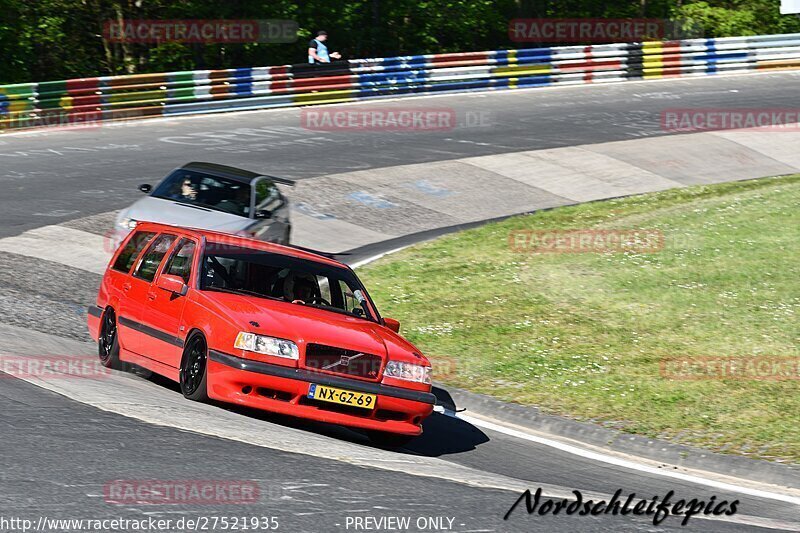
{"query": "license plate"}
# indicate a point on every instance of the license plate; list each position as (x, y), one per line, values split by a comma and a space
(341, 396)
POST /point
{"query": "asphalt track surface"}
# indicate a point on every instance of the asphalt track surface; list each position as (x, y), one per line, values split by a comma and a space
(58, 453)
(51, 177)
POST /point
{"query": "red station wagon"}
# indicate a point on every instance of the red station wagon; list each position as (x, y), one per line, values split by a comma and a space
(263, 325)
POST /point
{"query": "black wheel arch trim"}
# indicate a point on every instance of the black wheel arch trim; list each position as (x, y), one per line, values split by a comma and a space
(194, 332)
(94, 310)
(300, 374)
(152, 332)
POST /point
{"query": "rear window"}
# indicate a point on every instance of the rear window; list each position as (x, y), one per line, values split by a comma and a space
(131, 251)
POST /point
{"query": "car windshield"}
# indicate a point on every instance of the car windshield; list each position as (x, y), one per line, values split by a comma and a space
(204, 190)
(275, 276)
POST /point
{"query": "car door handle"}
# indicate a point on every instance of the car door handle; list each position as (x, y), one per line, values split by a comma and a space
(151, 296)
(126, 287)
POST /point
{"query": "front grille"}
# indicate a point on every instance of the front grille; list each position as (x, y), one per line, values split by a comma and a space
(342, 361)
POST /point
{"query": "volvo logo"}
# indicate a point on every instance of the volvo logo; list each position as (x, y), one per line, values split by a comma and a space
(343, 361)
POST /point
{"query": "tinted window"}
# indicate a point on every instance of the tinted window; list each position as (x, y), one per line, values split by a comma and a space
(131, 251)
(152, 258)
(203, 190)
(180, 264)
(283, 277)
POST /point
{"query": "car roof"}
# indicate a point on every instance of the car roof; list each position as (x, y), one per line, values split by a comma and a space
(233, 173)
(245, 242)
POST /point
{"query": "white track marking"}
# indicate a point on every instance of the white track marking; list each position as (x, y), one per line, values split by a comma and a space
(61, 244)
(624, 463)
(368, 260)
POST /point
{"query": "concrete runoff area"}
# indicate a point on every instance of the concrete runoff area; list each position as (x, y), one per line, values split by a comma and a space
(413, 198)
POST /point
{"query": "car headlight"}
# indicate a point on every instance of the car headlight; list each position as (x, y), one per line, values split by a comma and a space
(128, 223)
(408, 372)
(266, 345)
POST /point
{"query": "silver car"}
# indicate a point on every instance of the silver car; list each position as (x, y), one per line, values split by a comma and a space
(214, 197)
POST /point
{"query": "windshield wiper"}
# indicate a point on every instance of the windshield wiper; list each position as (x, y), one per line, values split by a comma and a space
(339, 311)
(240, 291)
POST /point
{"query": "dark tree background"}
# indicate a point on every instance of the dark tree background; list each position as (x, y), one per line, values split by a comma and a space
(57, 39)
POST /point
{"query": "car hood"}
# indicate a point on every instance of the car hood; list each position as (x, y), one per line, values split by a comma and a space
(163, 211)
(304, 325)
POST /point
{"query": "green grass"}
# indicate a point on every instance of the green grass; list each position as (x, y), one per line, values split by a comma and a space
(582, 334)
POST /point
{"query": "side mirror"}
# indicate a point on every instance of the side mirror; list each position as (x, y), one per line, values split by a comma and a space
(173, 284)
(263, 213)
(145, 188)
(392, 324)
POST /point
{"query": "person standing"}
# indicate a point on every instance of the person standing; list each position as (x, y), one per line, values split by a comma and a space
(318, 51)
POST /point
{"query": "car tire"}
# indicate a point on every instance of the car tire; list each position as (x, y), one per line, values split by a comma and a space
(108, 340)
(194, 369)
(389, 440)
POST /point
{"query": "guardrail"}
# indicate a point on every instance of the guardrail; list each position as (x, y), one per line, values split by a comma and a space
(83, 100)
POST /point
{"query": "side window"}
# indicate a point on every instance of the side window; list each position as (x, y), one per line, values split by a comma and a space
(131, 251)
(152, 258)
(180, 264)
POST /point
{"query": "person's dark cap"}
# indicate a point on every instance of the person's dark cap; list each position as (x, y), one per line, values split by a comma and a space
(321, 32)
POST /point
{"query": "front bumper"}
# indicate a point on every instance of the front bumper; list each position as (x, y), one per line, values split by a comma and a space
(284, 390)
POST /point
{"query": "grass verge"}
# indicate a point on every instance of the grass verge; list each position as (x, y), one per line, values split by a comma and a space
(584, 334)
